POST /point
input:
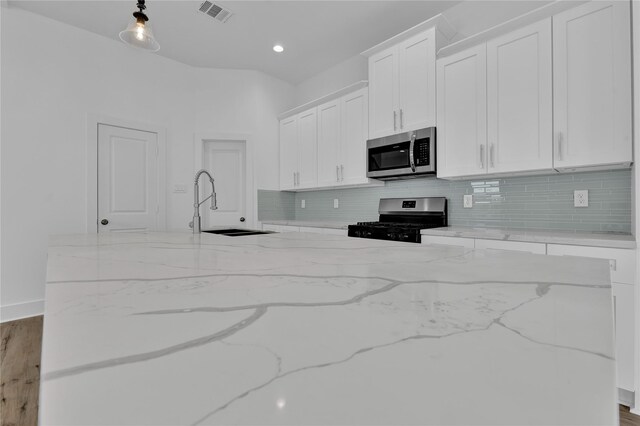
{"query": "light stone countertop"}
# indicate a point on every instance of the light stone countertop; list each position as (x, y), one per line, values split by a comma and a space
(595, 239)
(301, 329)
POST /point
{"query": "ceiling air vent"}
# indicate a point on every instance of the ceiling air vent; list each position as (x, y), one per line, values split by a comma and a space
(217, 12)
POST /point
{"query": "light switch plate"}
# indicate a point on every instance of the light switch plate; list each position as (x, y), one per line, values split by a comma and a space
(468, 201)
(303, 204)
(335, 203)
(581, 198)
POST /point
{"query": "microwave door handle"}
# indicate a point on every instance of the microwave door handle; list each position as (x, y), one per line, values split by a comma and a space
(411, 159)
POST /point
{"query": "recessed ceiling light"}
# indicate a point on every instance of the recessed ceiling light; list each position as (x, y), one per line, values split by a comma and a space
(278, 48)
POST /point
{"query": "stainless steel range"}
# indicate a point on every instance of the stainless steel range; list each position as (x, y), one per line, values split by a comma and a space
(401, 219)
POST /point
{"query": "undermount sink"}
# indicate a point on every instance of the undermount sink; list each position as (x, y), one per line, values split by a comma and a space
(232, 232)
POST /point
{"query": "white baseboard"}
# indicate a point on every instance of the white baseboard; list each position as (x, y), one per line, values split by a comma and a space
(626, 397)
(21, 310)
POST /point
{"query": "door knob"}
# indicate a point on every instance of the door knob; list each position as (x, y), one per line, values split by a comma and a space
(242, 219)
(104, 222)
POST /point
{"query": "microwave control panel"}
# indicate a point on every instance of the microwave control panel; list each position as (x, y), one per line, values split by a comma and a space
(422, 152)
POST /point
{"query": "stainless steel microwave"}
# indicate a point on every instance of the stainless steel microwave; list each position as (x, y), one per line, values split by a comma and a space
(402, 156)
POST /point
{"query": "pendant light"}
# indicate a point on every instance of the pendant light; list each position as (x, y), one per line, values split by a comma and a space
(138, 33)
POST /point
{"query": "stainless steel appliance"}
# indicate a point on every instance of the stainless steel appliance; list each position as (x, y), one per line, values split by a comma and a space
(402, 156)
(401, 219)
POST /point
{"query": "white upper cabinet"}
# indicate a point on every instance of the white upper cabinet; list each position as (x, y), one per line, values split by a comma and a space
(307, 149)
(298, 151)
(402, 85)
(519, 100)
(462, 114)
(592, 85)
(288, 152)
(326, 146)
(354, 133)
(329, 141)
(383, 93)
(342, 139)
(417, 82)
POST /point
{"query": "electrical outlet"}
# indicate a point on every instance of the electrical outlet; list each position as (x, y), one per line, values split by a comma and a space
(179, 188)
(335, 203)
(581, 198)
(467, 201)
(302, 204)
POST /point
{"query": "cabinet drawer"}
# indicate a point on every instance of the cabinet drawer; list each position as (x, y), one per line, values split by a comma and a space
(450, 241)
(537, 248)
(621, 261)
(625, 332)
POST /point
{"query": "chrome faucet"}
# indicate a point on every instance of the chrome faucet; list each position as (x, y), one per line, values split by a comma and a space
(197, 202)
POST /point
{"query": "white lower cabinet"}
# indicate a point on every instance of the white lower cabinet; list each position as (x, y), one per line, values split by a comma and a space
(280, 228)
(448, 241)
(625, 333)
(623, 266)
(310, 229)
(537, 248)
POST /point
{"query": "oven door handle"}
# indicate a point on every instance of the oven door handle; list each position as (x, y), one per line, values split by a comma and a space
(411, 146)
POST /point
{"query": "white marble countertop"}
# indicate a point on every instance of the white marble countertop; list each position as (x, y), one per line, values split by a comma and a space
(595, 239)
(301, 329)
(310, 224)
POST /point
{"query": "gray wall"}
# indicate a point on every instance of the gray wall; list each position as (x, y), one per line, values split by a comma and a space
(533, 202)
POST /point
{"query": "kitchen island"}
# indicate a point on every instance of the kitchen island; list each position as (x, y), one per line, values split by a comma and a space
(301, 329)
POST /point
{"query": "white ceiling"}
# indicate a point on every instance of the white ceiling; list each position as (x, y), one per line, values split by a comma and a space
(316, 34)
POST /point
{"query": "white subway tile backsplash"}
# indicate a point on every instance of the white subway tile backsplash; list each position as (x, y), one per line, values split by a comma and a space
(534, 202)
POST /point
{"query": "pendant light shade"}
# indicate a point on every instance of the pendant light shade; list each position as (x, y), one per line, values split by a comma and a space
(138, 33)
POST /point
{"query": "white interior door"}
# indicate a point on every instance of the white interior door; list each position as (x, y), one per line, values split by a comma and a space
(127, 180)
(226, 161)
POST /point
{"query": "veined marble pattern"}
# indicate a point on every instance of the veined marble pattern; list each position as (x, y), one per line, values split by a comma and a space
(302, 329)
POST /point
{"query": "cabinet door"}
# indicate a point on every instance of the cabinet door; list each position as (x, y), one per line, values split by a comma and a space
(592, 85)
(519, 100)
(288, 152)
(625, 332)
(307, 149)
(383, 93)
(353, 150)
(417, 82)
(462, 113)
(329, 143)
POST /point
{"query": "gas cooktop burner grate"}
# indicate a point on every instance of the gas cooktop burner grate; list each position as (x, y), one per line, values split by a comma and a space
(402, 219)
